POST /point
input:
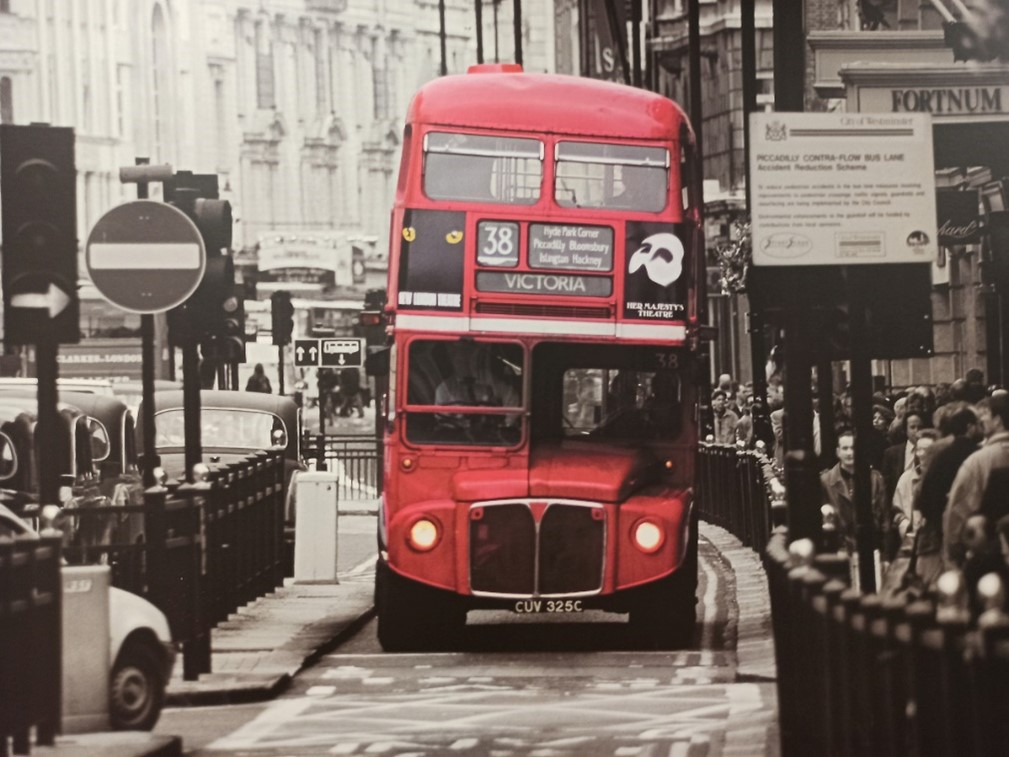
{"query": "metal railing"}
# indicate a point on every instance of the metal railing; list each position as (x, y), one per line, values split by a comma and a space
(205, 549)
(860, 674)
(357, 461)
(910, 673)
(30, 641)
(738, 490)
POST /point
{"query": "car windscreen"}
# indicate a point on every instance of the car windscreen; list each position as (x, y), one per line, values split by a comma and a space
(231, 428)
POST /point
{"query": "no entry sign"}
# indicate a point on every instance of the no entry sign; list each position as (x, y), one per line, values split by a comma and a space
(145, 256)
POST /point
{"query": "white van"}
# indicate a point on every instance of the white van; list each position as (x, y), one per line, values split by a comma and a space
(140, 648)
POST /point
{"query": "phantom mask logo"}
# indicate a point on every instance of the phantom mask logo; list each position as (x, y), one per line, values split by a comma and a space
(661, 255)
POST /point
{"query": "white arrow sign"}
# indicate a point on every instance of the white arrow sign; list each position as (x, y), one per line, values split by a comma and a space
(313, 354)
(300, 353)
(54, 300)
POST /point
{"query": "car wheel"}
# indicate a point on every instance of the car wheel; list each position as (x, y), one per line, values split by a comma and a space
(136, 689)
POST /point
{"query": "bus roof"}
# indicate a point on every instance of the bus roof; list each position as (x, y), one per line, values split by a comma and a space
(489, 99)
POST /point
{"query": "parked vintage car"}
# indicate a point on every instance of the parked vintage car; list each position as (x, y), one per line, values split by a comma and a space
(91, 386)
(232, 425)
(81, 445)
(140, 646)
(132, 392)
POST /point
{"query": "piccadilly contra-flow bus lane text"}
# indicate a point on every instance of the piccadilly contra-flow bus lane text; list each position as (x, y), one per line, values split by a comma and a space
(575, 691)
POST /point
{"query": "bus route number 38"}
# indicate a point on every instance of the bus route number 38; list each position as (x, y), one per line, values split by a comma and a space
(523, 606)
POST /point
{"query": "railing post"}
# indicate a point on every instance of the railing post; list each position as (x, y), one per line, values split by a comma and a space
(196, 645)
(320, 452)
(49, 647)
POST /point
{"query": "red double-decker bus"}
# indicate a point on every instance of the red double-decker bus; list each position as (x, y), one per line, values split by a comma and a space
(545, 293)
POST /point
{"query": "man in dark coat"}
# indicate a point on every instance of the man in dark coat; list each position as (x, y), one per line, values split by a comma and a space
(900, 457)
(258, 381)
(838, 489)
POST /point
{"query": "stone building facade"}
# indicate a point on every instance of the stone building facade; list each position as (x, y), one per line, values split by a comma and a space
(296, 105)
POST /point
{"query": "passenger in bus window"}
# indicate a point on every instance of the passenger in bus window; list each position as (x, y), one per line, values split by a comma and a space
(641, 188)
(624, 417)
(586, 410)
(662, 408)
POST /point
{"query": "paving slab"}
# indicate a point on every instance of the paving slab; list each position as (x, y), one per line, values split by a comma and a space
(112, 744)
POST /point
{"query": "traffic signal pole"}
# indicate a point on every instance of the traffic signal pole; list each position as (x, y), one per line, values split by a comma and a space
(142, 174)
(39, 225)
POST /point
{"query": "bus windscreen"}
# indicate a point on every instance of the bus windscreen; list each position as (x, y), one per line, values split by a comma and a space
(617, 177)
(474, 168)
(465, 376)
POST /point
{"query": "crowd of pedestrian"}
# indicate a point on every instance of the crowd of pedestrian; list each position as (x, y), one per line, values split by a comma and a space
(940, 472)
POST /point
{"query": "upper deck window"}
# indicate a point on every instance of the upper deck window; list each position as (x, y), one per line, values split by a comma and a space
(472, 168)
(618, 177)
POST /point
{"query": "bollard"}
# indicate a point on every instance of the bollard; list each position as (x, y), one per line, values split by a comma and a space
(316, 528)
(86, 660)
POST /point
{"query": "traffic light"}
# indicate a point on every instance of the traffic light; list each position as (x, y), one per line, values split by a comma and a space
(282, 312)
(225, 342)
(38, 188)
(371, 320)
(203, 313)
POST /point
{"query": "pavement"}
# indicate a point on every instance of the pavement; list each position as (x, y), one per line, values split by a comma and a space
(259, 649)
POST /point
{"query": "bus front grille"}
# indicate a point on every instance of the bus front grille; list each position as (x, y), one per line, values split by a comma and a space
(510, 554)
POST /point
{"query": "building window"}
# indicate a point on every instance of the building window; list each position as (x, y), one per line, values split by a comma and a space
(265, 91)
(380, 84)
(6, 100)
(120, 101)
(222, 126)
(5, 7)
(159, 81)
(321, 81)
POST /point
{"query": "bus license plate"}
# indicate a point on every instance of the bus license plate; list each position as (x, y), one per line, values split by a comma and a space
(526, 606)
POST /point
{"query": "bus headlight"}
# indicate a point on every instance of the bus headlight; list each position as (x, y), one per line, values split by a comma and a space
(423, 535)
(648, 536)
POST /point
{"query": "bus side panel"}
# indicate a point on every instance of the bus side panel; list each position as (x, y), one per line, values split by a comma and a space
(672, 513)
(435, 566)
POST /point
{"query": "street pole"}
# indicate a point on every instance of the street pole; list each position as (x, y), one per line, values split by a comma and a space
(147, 358)
(694, 81)
(802, 483)
(760, 411)
(636, 42)
(583, 37)
(142, 174)
(441, 37)
(861, 395)
(48, 422)
(517, 6)
(191, 400)
(280, 370)
(478, 5)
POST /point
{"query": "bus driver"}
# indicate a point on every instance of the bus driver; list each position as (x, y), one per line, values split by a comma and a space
(472, 382)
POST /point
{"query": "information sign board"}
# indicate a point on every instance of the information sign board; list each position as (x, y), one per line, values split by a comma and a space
(569, 247)
(842, 189)
(342, 353)
(306, 352)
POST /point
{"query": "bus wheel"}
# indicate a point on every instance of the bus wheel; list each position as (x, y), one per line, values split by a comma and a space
(413, 617)
(664, 614)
